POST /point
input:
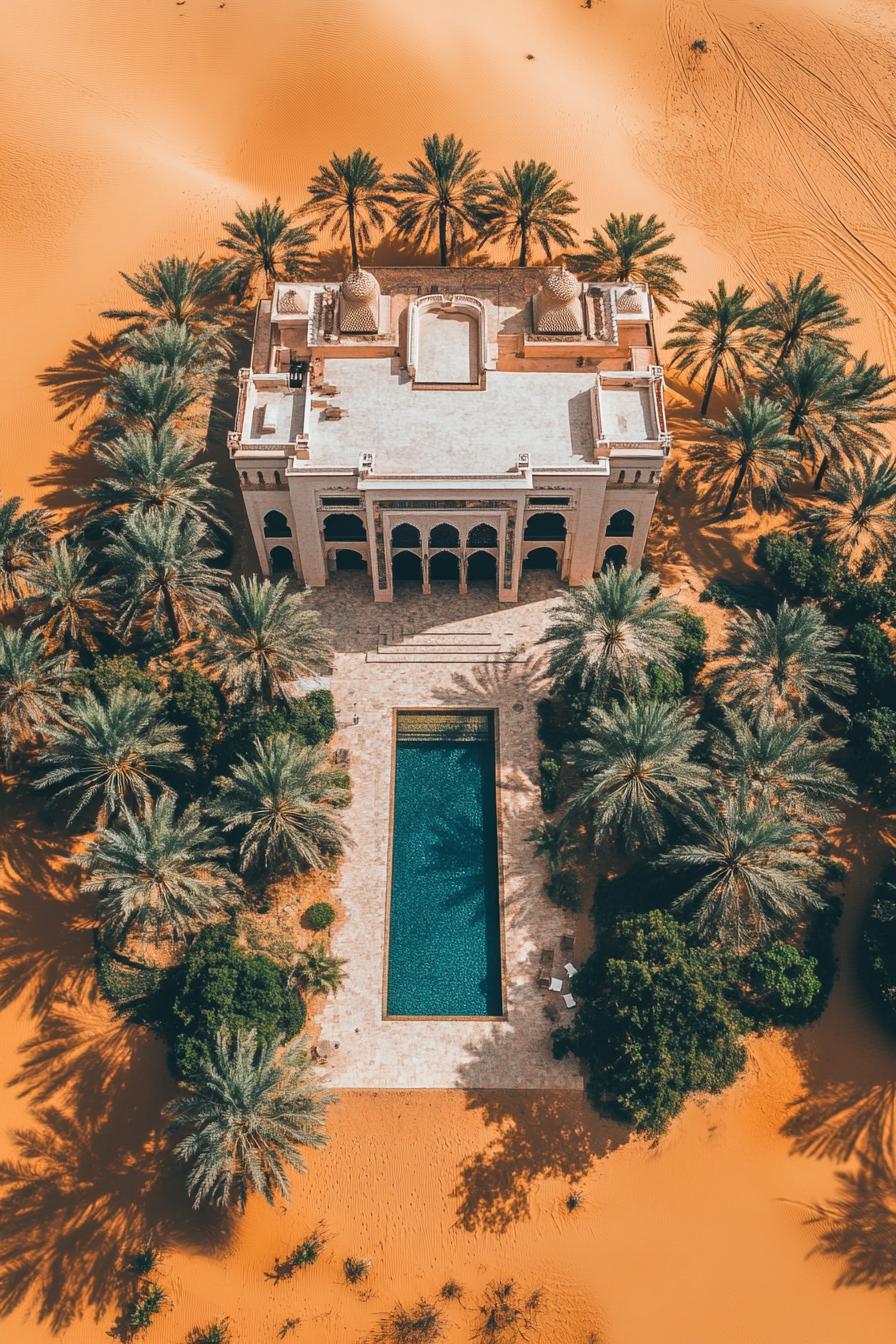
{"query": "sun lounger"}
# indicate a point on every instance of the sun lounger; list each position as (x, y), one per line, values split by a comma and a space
(556, 985)
(546, 967)
(570, 969)
(567, 942)
(569, 1001)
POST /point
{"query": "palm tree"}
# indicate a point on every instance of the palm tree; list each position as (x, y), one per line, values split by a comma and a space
(717, 336)
(159, 572)
(31, 686)
(439, 196)
(856, 509)
(553, 842)
(177, 289)
(609, 630)
(350, 196)
(249, 1113)
(280, 800)
(750, 873)
(158, 873)
(143, 472)
(266, 240)
(833, 406)
(148, 396)
(631, 249)
(65, 600)
(783, 662)
(263, 636)
(178, 348)
(749, 450)
(317, 970)
(804, 310)
(24, 535)
(786, 760)
(112, 750)
(524, 202)
(634, 761)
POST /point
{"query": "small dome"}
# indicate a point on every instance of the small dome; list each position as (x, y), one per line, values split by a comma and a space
(360, 287)
(291, 301)
(561, 286)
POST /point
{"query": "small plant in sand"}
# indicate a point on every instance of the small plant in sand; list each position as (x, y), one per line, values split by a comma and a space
(420, 1324)
(291, 1323)
(505, 1315)
(354, 1269)
(451, 1291)
(306, 1253)
(574, 1200)
(142, 1310)
(700, 44)
(216, 1333)
(144, 1261)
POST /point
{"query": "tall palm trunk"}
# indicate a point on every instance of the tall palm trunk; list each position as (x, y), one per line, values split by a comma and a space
(351, 235)
(443, 236)
(735, 490)
(822, 471)
(524, 245)
(171, 613)
(707, 390)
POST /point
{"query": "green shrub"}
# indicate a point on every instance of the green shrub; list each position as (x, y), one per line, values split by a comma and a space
(143, 1309)
(319, 916)
(654, 1023)
(690, 646)
(874, 667)
(120, 669)
(798, 568)
(783, 985)
(306, 1253)
(874, 737)
(861, 599)
(355, 1270)
(198, 706)
(222, 985)
(216, 1333)
(549, 768)
(666, 683)
(879, 944)
(343, 780)
(311, 720)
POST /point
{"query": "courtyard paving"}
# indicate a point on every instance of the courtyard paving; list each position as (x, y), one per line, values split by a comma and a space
(369, 1051)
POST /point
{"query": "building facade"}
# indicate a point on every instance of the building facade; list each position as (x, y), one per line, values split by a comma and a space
(466, 425)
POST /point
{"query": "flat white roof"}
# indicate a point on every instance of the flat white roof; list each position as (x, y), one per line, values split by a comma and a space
(470, 431)
(627, 414)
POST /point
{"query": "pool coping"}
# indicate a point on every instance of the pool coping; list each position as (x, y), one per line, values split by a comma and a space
(499, 815)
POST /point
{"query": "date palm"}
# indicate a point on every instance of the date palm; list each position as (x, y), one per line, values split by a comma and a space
(750, 451)
(804, 310)
(350, 196)
(856, 509)
(750, 873)
(268, 242)
(24, 535)
(524, 202)
(111, 751)
(634, 760)
(833, 405)
(143, 472)
(280, 801)
(632, 249)
(317, 970)
(176, 289)
(783, 663)
(149, 397)
(65, 600)
(609, 630)
(718, 337)
(159, 572)
(785, 759)
(158, 873)
(439, 195)
(178, 348)
(31, 686)
(250, 1110)
(262, 636)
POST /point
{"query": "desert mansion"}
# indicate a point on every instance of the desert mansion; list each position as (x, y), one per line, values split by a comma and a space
(460, 425)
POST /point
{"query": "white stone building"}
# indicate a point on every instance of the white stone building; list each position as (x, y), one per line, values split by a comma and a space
(459, 425)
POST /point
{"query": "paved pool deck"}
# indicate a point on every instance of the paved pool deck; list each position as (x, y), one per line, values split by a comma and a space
(426, 650)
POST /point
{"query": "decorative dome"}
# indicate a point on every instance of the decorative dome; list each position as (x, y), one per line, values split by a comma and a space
(291, 301)
(561, 286)
(360, 287)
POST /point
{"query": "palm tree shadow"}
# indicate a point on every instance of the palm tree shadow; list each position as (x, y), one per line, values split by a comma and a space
(79, 382)
(858, 1226)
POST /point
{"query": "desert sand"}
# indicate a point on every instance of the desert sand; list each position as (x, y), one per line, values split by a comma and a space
(129, 130)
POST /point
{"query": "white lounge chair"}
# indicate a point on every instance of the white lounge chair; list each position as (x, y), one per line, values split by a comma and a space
(556, 985)
(570, 969)
(569, 1001)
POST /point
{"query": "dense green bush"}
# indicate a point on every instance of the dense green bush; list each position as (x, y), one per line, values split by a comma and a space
(798, 567)
(549, 768)
(655, 1022)
(875, 668)
(690, 646)
(783, 985)
(311, 720)
(319, 916)
(197, 706)
(874, 737)
(879, 943)
(859, 599)
(222, 985)
(119, 669)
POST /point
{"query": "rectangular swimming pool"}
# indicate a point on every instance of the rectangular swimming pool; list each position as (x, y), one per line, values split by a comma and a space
(444, 954)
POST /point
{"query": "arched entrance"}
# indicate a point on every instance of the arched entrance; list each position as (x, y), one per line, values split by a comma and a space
(621, 524)
(483, 534)
(443, 534)
(615, 558)
(344, 527)
(406, 566)
(443, 566)
(281, 561)
(541, 557)
(545, 527)
(346, 560)
(276, 524)
(405, 534)
(482, 568)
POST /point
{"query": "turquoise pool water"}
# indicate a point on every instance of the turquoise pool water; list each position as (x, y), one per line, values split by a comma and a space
(444, 916)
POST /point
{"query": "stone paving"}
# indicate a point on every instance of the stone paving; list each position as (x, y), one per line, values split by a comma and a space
(370, 1052)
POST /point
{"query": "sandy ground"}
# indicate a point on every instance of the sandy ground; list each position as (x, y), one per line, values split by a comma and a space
(130, 129)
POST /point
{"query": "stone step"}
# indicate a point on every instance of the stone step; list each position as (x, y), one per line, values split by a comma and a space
(393, 655)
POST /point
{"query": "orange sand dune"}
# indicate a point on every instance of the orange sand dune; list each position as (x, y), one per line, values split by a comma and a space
(130, 129)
